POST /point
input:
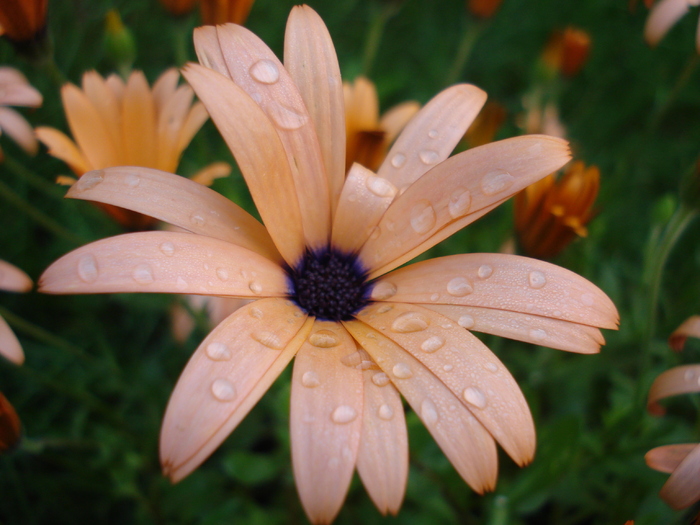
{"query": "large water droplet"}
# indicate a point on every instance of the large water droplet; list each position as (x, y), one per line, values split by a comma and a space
(475, 397)
(484, 271)
(143, 274)
(381, 187)
(432, 344)
(383, 290)
(167, 248)
(428, 412)
(218, 351)
(537, 280)
(255, 287)
(380, 379)
(459, 287)
(496, 181)
(460, 200)
(428, 157)
(385, 412)
(359, 360)
(222, 274)
(398, 160)
(344, 414)
(433, 134)
(310, 379)
(422, 217)
(466, 321)
(285, 117)
(90, 180)
(269, 339)
(265, 71)
(324, 339)
(197, 219)
(402, 371)
(223, 390)
(410, 322)
(87, 268)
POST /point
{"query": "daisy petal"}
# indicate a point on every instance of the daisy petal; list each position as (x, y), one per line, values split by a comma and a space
(13, 279)
(226, 376)
(663, 17)
(677, 380)
(165, 86)
(309, 55)
(467, 367)
(139, 123)
(256, 70)
(9, 345)
(208, 49)
(683, 486)
(325, 420)
(504, 282)
(668, 457)
(19, 129)
(432, 134)
(62, 147)
(396, 118)
(456, 190)
(689, 328)
(244, 127)
(542, 331)
(166, 262)
(171, 119)
(465, 441)
(178, 201)
(108, 107)
(382, 460)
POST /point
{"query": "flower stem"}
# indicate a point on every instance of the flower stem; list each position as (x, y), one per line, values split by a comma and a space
(469, 37)
(37, 182)
(380, 16)
(681, 82)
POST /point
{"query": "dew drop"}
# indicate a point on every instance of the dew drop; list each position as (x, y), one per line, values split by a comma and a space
(218, 352)
(433, 133)
(496, 181)
(255, 287)
(223, 390)
(359, 360)
(422, 217)
(143, 274)
(537, 280)
(324, 339)
(432, 344)
(222, 274)
(460, 200)
(447, 368)
(409, 322)
(310, 379)
(484, 271)
(466, 321)
(383, 290)
(491, 367)
(381, 187)
(475, 397)
(268, 339)
(380, 379)
(285, 117)
(428, 412)
(132, 180)
(167, 248)
(87, 268)
(402, 371)
(459, 287)
(385, 412)
(435, 297)
(181, 284)
(265, 71)
(384, 309)
(90, 180)
(197, 219)
(538, 334)
(344, 414)
(428, 157)
(398, 160)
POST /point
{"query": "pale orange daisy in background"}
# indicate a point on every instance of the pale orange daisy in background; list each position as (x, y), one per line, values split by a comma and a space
(12, 279)
(663, 17)
(320, 275)
(15, 90)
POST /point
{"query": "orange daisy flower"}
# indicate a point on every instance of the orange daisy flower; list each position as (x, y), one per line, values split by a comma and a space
(12, 279)
(320, 273)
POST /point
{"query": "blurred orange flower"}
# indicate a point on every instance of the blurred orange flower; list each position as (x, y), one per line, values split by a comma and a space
(12, 279)
(22, 20)
(483, 8)
(178, 7)
(567, 51)
(222, 11)
(10, 426)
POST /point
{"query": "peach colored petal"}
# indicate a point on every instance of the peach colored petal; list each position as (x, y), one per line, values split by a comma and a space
(244, 127)
(139, 123)
(208, 174)
(62, 147)
(455, 191)
(170, 122)
(534, 329)
(9, 345)
(678, 380)
(467, 367)
(12, 279)
(465, 441)
(166, 262)
(116, 84)
(382, 459)
(165, 87)
(682, 488)
(309, 55)
(18, 129)
(668, 457)
(395, 119)
(16, 91)
(195, 120)
(432, 134)
(325, 420)
(108, 107)
(208, 49)
(501, 281)
(662, 17)
(178, 201)
(256, 70)
(363, 201)
(689, 328)
(10, 75)
(226, 376)
(361, 105)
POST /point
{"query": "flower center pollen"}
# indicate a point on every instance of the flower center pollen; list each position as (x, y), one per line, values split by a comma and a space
(329, 284)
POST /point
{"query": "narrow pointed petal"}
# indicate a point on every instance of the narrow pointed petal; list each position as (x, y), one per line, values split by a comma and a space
(432, 134)
(165, 262)
(455, 191)
(196, 118)
(138, 123)
(468, 368)
(310, 58)
(62, 147)
(170, 121)
(226, 376)
(683, 486)
(668, 457)
(165, 86)
(689, 328)
(216, 170)
(663, 17)
(363, 201)
(326, 419)
(178, 201)
(13, 279)
(382, 460)
(256, 70)
(504, 282)
(18, 129)
(465, 441)
(542, 331)
(395, 119)
(678, 380)
(208, 49)
(9, 345)
(108, 108)
(244, 127)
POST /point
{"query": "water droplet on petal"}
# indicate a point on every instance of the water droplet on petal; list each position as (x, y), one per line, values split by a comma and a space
(222, 274)
(398, 160)
(538, 334)
(433, 133)
(402, 371)
(181, 284)
(484, 271)
(90, 180)
(255, 287)
(197, 219)
(409, 322)
(475, 397)
(265, 71)
(344, 414)
(380, 379)
(218, 351)
(143, 274)
(132, 180)
(466, 321)
(359, 360)
(381, 187)
(167, 248)
(310, 379)
(383, 290)
(435, 297)
(256, 313)
(496, 181)
(428, 412)
(87, 268)
(537, 280)
(432, 344)
(491, 367)
(447, 368)
(223, 390)
(384, 309)
(285, 117)
(268, 339)
(385, 412)
(324, 339)
(459, 287)
(587, 299)
(460, 201)
(428, 157)
(422, 217)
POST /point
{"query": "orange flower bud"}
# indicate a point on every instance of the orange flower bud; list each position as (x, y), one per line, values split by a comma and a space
(483, 8)
(567, 51)
(178, 7)
(22, 20)
(10, 427)
(222, 11)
